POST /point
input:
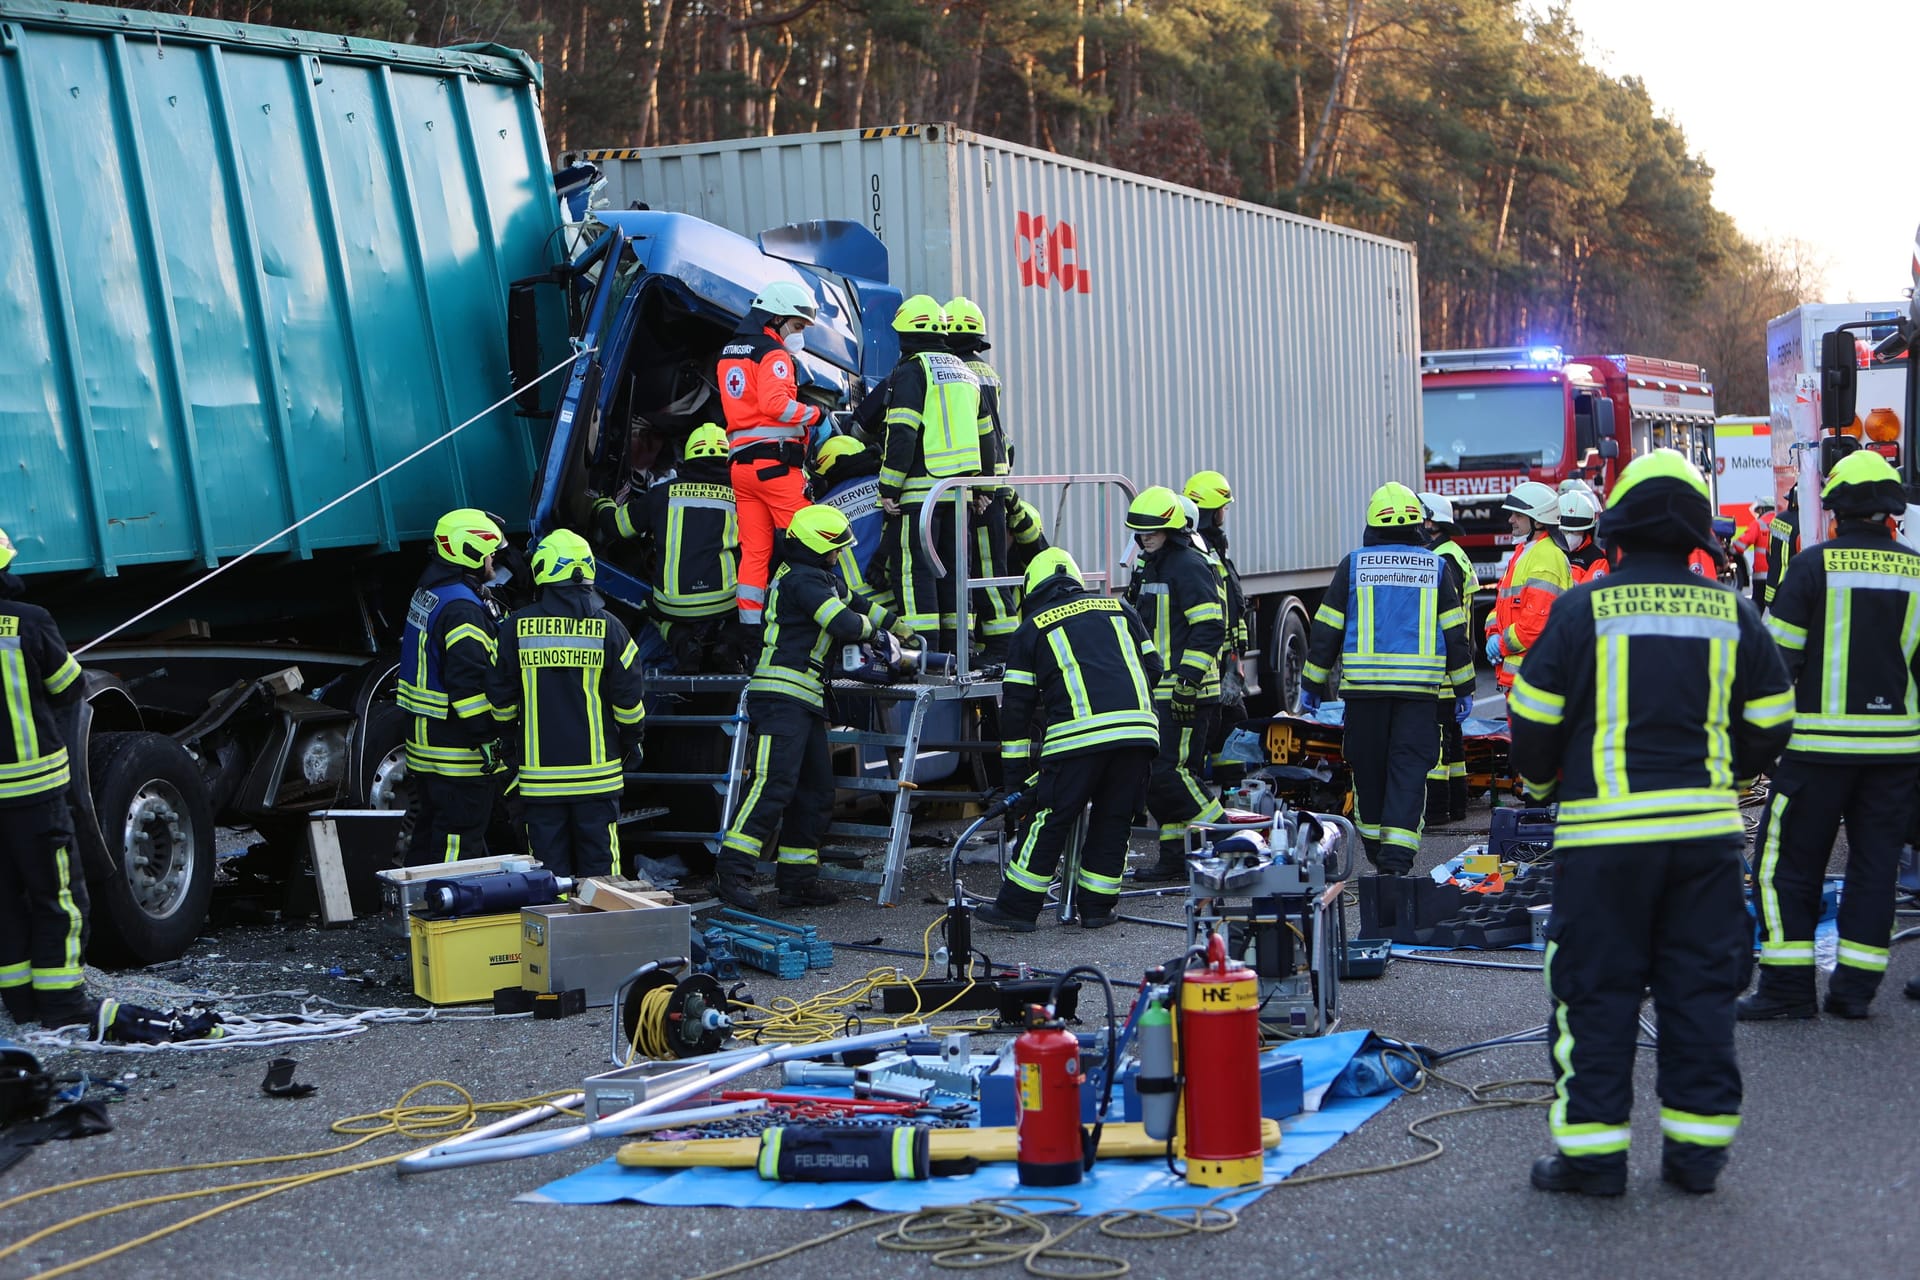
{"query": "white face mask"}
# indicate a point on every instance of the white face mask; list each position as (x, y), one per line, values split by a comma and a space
(795, 342)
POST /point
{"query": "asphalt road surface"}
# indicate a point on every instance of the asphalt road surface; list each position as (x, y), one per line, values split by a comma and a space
(1825, 1178)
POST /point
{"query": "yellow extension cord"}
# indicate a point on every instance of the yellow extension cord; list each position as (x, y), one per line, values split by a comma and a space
(420, 1122)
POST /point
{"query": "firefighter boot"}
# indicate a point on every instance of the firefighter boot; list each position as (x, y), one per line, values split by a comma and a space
(1171, 866)
(20, 1004)
(1691, 1167)
(1913, 987)
(1588, 1176)
(1784, 992)
(995, 916)
(1456, 799)
(1850, 992)
(799, 886)
(1436, 801)
(733, 881)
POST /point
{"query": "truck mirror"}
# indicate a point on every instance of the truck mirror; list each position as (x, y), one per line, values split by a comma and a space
(1603, 425)
(1609, 448)
(1834, 448)
(1839, 381)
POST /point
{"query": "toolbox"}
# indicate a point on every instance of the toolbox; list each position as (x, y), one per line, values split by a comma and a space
(403, 888)
(562, 948)
(464, 961)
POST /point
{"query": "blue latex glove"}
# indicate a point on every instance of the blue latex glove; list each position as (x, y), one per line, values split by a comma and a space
(1493, 650)
(1462, 708)
(1309, 701)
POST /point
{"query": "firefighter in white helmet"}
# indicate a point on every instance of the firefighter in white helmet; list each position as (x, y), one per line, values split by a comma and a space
(1535, 577)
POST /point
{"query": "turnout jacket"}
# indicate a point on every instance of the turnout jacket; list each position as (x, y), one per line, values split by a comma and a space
(1180, 596)
(1392, 618)
(39, 675)
(1083, 668)
(1536, 576)
(1847, 620)
(1459, 569)
(446, 652)
(934, 426)
(1783, 543)
(690, 519)
(1236, 597)
(568, 673)
(996, 453)
(809, 611)
(1649, 700)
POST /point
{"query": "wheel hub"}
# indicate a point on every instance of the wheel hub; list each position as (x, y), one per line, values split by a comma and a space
(158, 847)
(389, 776)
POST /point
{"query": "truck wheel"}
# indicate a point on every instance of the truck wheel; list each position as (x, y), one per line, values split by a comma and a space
(158, 824)
(383, 781)
(1289, 654)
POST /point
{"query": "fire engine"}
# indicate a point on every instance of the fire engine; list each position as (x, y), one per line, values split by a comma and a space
(1497, 416)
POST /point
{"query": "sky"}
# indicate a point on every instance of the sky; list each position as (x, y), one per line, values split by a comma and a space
(1798, 108)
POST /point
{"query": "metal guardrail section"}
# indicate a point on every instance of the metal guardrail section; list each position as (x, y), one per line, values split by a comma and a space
(1111, 556)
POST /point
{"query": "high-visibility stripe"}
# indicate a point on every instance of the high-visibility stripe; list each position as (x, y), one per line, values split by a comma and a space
(13, 671)
(794, 856)
(1653, 830)
(1860, 955)
(60, 680)
(1535, 704)
(1769, 712)
(1587, 1139)
(1079, 705)
(1610, 708)
(1019, 871)
(1793, 954)
(15, 975)
(1785, 634)
(1700, 1130)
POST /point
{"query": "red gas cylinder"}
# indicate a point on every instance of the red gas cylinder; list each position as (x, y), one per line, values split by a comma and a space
(1046, 1063)
(1220, 1053)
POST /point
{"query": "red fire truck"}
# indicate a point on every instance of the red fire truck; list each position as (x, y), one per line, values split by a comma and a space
(1497, 416)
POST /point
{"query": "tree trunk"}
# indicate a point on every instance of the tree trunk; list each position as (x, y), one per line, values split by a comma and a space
(860, 84)
(1323, 130)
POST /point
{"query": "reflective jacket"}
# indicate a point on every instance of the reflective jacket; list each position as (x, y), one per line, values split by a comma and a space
(1587, 562)
(1081, 667)
(1178, 595)
(810, 613)
(569, 674)
(933, 425)
(1535, 577)
(445, 655)
(1756, 537)
(1392, 618)
(1238, 640)
(1460, 573)
(1847, 620)
(759, 392)
(996, 454)
(1783, 542)
(39, 675)
(1647, 703)
(689, 517)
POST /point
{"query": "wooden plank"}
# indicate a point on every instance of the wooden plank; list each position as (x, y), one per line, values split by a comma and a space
(329, 872)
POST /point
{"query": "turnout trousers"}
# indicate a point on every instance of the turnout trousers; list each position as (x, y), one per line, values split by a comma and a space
(1175, 795)
(791, 795)
(925, 601)
(450, 817)
(1390, 744)
(1671, 917)
(766, 493)
(1447, 780)
(43, 913)
(1809, 802)
(1104, 784)
(996, 610)
(578, 837)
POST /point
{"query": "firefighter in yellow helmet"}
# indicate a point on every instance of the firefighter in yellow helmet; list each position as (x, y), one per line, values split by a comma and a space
(1643, 708)
(810, 614)
(996, 610)
(687, 518)
(845, 476)
(43, 889)
(568, 674)
(932, 431)
(1211, 496)
(1178, 594)
(1391, 618)
(446, 653)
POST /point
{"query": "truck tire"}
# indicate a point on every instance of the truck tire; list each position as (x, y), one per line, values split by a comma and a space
(156, 818)
(1289, 650)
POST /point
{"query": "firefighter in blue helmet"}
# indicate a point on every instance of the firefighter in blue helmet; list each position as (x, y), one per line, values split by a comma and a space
(1646, 704)
(568, 674)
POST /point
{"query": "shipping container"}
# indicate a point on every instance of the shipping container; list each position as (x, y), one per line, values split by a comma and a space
(250, 268)
(1139, 327)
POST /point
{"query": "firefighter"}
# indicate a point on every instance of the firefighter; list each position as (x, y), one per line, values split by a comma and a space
(1082, 669)
(844, 476)
(1447, 780)
(43, 892)
(1844, 621)
(768, 428)
(568, 673)
(1177, 592)
(810, 612)
(996, 607)
(1754, 540)
(1783, 543)
(1392, 618)
(1535, 577)
(1026, 533)
(689, 519)
(1212, 495)
(1648, 699)
(931, 431)
(1585, 558)
(446, 652)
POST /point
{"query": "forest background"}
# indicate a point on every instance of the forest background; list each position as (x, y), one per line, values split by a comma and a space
(1549, 201)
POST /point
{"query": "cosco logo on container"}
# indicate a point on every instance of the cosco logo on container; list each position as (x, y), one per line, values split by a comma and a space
(1048, 254)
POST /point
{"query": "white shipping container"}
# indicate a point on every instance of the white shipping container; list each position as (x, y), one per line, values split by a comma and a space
(1139, 327)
